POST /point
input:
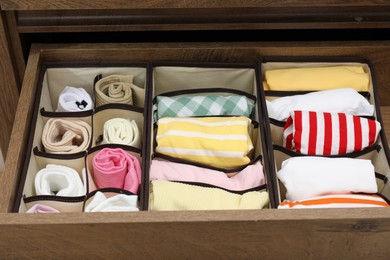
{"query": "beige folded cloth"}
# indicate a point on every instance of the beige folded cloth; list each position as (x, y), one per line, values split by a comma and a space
(167, 195)
(118, 89)
(66, 135)
(121, 131)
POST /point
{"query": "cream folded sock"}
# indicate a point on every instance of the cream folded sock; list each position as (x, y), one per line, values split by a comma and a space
(121, 131)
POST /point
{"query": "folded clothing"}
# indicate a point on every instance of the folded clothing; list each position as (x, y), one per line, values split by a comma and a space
(60, 181)
(66, 136)
(39, 208)
(116, 203)
(317, 78)
(310, 176)
(166, 195)
(121, 131)
(206, 105)
(319, 133)
(223, 142)
(250, 177)
(118, 89)
(115, 168)
(73, 99)
(345, 100)
(336, 201)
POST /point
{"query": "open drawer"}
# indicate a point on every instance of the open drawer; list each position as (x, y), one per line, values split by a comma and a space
(181, 234)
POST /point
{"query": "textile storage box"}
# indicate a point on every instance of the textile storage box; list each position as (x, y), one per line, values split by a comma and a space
(146, 234)
(332, 114)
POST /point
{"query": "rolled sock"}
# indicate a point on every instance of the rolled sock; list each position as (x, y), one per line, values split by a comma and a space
(310, 176)
(66, 136)
(166, 195)
(73, 99)
(117, 203)
(250, 177)
(317, 78)
(118, 89)
(115, 168)
(121, 131)
(59, 180)
(336, 201)
(345, 100)
(39, 208)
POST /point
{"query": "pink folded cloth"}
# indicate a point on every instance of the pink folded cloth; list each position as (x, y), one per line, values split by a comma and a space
(39, 208)
(115, 168)
(250, 177)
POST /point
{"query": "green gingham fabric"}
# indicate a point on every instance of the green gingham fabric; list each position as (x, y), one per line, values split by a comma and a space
(208, 105)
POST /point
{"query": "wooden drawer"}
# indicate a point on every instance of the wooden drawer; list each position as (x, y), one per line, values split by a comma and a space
(268, 233)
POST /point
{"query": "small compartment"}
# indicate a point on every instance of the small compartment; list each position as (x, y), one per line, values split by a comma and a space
(111, 200)
(193, 100)
(351, 106)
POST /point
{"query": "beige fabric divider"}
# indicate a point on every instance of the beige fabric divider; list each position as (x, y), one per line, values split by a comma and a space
(62, 206)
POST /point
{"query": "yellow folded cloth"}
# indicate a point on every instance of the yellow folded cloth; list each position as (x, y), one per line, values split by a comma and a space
(166, 195)
(119, 89)
(317, 78)
(223, 142)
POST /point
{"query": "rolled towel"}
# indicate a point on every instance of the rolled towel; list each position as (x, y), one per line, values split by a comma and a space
(346, 100)
(317, 78)
(60, 181)
(250, 177)
(319, 133)
(115, 168)
(209, 105)
(166, 195)
(39, 208)
(309, 176)
(118, 89)
(223, 142)
(116, 203)
(73, 99)
(121, 131)
(66, 136)
(336, 201)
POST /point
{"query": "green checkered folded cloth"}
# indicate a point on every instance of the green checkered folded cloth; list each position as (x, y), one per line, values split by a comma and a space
(208, 105)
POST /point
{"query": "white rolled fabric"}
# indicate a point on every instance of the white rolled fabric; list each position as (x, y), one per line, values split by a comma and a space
(60, 181)
(73, 99)
(343, 100)
(121, 131)
(117, 203)
(310, 176)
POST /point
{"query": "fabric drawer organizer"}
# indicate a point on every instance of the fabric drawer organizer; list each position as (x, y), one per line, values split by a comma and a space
(121, 134)
(327, 124)
(66, 115)
(206, 138)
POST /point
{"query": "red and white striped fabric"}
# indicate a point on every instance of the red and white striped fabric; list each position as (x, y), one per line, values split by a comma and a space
(322, 133)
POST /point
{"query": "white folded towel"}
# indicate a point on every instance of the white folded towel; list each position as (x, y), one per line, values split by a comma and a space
(73, 99)
(121, 131)
(344, 100)
(60, 181)
(117, 203)
(309, 176)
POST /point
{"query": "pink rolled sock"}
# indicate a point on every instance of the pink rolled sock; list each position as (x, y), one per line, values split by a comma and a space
(115, 168)
(250, 177)
(39, 208)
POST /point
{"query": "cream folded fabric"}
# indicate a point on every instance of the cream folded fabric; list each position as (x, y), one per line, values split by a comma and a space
(117, 203)
(118, 89)
(166, 195)
(60, 181)
(39, 208)
(317, 78)
(345, 100)
(310, 176)
(73, 99)
(66, 136)
(121, 131)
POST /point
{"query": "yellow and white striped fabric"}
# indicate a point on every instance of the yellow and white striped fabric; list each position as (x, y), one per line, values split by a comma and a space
(223, 142)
